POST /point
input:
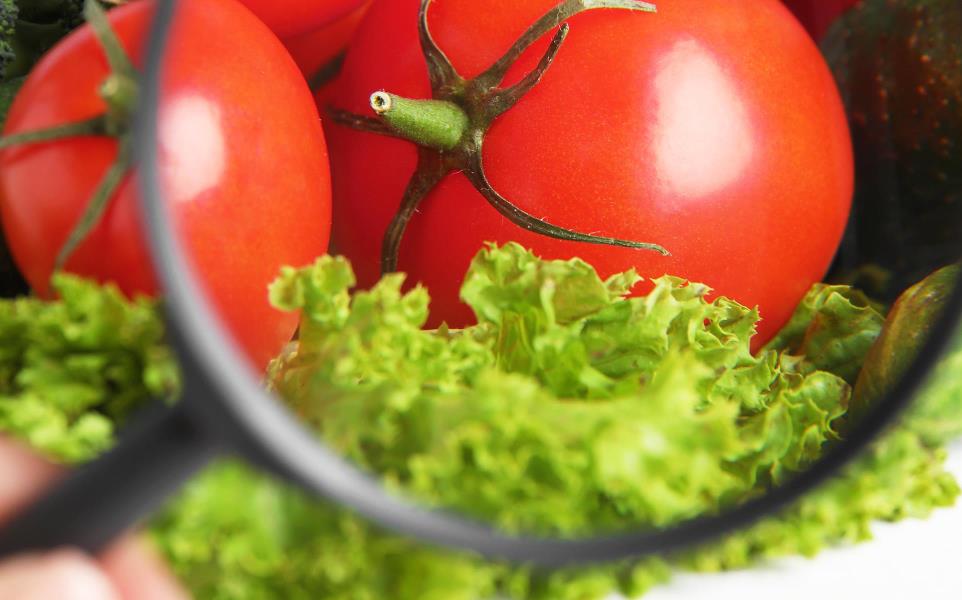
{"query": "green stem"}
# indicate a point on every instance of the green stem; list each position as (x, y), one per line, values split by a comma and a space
(116, 56)
(96, 206)
(95, 126)
(436, 124)
(119, 91)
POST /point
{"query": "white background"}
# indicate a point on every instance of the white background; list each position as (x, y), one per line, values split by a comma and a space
(912, 559)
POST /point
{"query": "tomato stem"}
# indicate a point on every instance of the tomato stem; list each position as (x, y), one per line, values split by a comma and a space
(521, 218)
(119, 91)
(96, 206)
(553, 18)
(97, 126)
(116, 55)
(450, 128)
(431, 170)
(445, 79)
(437, 124)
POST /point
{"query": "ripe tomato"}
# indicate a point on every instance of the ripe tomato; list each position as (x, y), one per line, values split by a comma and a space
(818, 15)
(244, 165)
(315, 49)
(295, 17)
(711, 128)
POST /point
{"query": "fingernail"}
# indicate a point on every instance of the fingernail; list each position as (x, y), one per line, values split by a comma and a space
(64, 575)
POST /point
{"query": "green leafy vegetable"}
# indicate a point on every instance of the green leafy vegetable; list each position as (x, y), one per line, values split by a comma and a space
(70, 369)
(832, 330)
(9, 12)
(28, 28)
(568, 407)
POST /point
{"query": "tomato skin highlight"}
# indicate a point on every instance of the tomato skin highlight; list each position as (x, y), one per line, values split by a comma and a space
(289, 18)
(714, 129)
(243, 164)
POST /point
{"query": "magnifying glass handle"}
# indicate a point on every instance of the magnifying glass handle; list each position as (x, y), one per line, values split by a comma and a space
(96, 503)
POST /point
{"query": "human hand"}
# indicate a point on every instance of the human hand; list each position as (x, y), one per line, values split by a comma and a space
(126, 571)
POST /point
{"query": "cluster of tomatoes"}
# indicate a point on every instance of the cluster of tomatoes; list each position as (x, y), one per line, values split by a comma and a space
(712, 128)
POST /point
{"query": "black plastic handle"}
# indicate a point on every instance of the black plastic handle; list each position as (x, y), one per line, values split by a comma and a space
(94, 504)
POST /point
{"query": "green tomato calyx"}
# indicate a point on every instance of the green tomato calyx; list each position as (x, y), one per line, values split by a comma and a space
(450, 127)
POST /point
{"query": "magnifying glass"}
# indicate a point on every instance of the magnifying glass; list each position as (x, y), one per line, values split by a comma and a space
(226, 410)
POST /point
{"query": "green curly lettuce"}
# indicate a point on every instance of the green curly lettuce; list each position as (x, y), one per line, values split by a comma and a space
(71, 369)
(569, 407)
(494, 407)
(552, 411)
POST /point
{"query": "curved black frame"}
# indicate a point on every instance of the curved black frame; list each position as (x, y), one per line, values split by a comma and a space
(225, 409)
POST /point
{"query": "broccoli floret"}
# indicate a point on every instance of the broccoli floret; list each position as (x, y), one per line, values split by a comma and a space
(71, 14)
(28, 28)
(8, 27)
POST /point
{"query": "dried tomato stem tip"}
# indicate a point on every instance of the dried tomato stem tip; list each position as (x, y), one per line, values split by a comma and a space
(435, 124)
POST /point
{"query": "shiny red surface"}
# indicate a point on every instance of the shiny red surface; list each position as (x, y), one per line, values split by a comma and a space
(315, 49)
(288, 18)
(244, 166)
(712, 128)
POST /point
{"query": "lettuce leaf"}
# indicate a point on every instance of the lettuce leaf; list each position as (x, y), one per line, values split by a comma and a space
(70, 369)
(568, 407)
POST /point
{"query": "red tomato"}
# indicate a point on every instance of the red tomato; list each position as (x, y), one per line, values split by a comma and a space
(294, 17)
(315, 49)
(818, 15)
(244, 165)
(712, 128)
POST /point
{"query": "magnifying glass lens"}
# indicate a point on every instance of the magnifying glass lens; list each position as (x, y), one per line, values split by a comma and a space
(596, 268)
(244, 169)
(554, 281)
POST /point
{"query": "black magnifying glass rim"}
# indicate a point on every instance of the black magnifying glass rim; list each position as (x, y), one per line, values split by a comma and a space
(245, 410)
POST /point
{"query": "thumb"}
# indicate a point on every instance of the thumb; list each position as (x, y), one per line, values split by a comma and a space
(64, 575)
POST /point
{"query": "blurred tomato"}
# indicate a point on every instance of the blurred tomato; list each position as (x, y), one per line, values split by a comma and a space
(289, 18)
(315, 50)
(818, 15)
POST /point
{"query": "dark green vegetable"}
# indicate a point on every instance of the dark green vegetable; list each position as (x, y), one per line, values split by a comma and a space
(9, 12)
(899, 67)
(28, 28)
(907, 327)
(12, 282)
